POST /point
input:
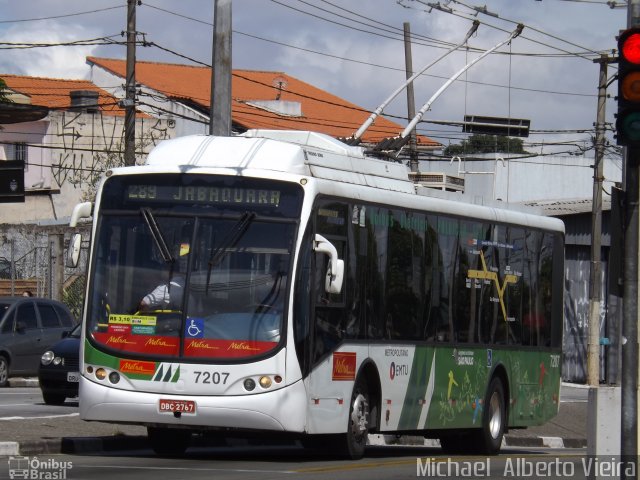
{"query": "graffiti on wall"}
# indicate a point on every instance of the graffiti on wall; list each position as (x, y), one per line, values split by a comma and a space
(86, 145)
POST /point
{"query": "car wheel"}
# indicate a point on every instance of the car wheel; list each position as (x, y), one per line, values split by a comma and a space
(169, 442)
(53, 398)
(4, 371)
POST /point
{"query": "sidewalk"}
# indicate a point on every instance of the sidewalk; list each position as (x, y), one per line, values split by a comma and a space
(69, 434)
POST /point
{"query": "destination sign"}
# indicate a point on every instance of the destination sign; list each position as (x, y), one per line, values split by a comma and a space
(204, 194)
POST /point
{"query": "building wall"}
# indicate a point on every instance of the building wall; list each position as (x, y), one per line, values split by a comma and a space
(530, 179)
(186, 120)
(69, 153)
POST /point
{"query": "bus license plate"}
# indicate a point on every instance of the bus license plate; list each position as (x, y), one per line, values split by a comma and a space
(172, 406)
(73, 377)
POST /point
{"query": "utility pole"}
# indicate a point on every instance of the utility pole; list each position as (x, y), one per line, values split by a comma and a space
(595, 291)
(411, 102)
(220, 112)
(130, 100)
(603, 414)
(629, 382)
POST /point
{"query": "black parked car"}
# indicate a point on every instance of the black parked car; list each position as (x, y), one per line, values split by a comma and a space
(29, 326)
(59, 372)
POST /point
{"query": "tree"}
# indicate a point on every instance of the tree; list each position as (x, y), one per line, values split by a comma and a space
(4, 97)
(486, 144)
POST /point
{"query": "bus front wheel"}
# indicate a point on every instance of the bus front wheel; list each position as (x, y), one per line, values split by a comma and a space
(168, 442)
(494, 418)
(355, 440)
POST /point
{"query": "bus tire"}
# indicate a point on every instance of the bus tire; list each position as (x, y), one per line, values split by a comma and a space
(168, 442)
(494, 419)
(355, 440)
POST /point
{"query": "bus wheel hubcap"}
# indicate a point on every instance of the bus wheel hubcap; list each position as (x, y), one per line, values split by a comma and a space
(495, 418)
(359, 415)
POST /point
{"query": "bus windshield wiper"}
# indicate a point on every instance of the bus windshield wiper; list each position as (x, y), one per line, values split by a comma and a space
(156, 234)
(218, 253)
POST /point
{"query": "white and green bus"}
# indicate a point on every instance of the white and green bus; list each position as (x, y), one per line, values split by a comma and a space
(303, 287)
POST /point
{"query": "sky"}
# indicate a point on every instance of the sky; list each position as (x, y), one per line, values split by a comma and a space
(354, 49)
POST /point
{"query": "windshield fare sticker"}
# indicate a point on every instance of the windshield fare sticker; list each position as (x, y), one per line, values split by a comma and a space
(123, 319)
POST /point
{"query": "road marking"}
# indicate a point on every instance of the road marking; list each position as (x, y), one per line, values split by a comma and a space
(238, 470)
(43, 416)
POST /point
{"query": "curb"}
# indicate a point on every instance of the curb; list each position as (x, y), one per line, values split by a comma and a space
(23, 382)
(86, 445)
(507, 441)
(96, 445)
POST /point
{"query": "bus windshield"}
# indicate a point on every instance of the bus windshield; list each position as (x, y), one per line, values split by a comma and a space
(192, 266)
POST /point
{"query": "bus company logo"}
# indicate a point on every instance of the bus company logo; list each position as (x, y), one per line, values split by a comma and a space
(344, 366)
(25, 467)
(398, 370)
(464, 357)
(200, 344)
(243, 346)
(134, 366)
(119, 340)
(158, 342)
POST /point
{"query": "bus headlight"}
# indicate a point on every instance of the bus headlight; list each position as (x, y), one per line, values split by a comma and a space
(101, 374)
(265, 382)
(249, 384)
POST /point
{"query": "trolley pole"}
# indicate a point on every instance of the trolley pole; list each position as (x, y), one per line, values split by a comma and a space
(220, 113)
(130, 99)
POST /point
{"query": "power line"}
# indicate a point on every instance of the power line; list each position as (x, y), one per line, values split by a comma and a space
(585, 55)
(337, 57)
(89, 42)
(54, 17)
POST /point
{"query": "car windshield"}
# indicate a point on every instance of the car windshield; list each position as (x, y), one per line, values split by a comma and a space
(204, 281)
(75, 332)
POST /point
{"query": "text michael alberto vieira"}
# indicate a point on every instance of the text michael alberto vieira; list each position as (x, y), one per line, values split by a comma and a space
(522, 467)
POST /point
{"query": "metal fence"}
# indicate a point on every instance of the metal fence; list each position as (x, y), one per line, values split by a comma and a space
(32, 257)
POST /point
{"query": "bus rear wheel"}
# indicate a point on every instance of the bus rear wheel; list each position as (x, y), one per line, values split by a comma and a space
(494, 418)
(168, 442)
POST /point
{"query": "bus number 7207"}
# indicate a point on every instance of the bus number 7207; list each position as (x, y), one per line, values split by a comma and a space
(216, 378)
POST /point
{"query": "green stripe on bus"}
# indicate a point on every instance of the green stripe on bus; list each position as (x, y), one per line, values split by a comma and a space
(416, 390)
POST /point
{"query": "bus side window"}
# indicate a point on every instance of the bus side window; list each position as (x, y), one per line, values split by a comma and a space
(330, 313)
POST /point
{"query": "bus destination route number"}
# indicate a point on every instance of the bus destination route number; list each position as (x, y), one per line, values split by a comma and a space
(173, 406)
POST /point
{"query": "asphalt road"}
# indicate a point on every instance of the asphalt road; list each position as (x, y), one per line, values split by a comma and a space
(380, 463)
(43, 431)
(25, 418)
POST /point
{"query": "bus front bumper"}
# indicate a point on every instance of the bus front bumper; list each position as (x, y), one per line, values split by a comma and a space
(283, 409)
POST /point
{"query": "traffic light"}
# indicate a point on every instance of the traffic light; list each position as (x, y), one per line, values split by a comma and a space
(628, 118)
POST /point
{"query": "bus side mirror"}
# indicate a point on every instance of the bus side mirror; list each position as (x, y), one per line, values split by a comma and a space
(81, 210)
(73, 253)
(335, 269)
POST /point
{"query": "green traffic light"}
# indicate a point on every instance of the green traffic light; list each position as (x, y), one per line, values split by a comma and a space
(631, 127)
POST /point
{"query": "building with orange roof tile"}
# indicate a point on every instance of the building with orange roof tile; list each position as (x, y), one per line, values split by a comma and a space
(67, 132)
(260, 100)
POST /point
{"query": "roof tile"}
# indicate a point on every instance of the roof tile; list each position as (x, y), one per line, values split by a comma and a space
(321, 111)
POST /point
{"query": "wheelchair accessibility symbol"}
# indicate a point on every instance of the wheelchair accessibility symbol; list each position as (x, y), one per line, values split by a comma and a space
(194, 328)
